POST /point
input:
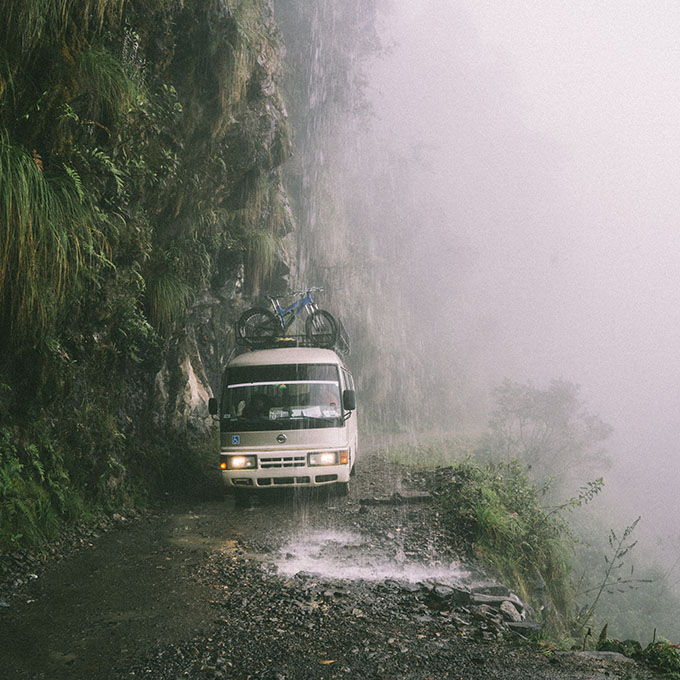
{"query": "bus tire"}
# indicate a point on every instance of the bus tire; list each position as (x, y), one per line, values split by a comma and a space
(242, 498)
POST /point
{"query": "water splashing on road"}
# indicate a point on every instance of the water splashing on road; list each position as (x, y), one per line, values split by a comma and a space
(350, 556)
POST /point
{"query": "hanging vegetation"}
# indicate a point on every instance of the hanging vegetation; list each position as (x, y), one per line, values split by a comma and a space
(139, 143)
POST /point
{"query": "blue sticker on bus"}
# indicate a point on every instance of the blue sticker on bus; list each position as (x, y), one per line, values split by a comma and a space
(235, 438)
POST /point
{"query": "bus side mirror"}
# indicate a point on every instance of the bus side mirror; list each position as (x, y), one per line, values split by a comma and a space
(212, 406)
(349, 400)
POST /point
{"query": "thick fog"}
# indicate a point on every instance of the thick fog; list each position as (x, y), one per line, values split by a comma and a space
(548, 137)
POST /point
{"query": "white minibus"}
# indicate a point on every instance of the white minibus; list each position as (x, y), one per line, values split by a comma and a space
(287, 419)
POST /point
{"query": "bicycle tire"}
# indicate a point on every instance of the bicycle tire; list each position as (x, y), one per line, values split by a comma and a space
(257, 326)
(322, 329)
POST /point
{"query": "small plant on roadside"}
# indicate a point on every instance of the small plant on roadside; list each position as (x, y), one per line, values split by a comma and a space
(33, 491)
(664, 657)
(612, 578)
(661, 655)
(585, 495)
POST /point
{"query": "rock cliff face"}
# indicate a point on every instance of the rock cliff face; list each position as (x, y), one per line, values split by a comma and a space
(249, 137)
(319, 69)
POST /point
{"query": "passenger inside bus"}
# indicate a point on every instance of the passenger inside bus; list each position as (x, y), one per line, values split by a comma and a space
(258, 407)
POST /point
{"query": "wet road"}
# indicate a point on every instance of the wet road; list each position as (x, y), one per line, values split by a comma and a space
(290, 589)
(139, 586)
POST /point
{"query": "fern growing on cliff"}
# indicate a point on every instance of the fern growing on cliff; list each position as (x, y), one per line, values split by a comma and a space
(138, 149)
(112, 90)
(48, 232)
(168, 295)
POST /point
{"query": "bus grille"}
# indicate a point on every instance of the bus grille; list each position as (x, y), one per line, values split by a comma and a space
(282, 462)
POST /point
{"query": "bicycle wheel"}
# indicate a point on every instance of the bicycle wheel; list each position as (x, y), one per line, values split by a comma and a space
(256, 327)
(322, 329)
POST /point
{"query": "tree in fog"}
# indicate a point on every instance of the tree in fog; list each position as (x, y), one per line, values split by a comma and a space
(549, 430)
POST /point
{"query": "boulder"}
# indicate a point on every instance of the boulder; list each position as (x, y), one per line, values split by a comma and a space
(509, 612)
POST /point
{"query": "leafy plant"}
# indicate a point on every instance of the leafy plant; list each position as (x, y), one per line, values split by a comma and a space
(168, 295)
(663, 657)
(586, 494)
(30, 22)
(34, 491)
(112, 88)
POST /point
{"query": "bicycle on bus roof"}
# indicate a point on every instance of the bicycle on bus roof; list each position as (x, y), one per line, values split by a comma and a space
(259, 327)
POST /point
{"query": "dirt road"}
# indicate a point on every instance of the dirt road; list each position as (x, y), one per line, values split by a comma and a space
(292, 588)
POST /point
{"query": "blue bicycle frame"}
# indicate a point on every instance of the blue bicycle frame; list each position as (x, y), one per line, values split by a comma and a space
(288, 314)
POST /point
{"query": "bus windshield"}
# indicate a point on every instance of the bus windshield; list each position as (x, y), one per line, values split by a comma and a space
(286, 396)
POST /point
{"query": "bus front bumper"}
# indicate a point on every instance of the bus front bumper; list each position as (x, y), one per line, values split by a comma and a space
(276, 470)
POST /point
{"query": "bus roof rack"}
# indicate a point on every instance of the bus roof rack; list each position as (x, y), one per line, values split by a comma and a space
(341, 345)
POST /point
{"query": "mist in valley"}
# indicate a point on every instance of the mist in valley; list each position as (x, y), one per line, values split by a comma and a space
(512, 200)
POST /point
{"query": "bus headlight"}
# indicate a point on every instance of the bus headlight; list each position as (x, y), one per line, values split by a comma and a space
(239, 463)
(324, 458)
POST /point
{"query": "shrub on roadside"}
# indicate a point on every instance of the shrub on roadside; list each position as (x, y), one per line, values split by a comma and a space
(496, 508)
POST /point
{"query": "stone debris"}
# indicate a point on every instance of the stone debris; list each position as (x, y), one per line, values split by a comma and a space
(473, 614)
(399, 498)
(604, 656)
(496, 600)
(510, 612)
(524, 627)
